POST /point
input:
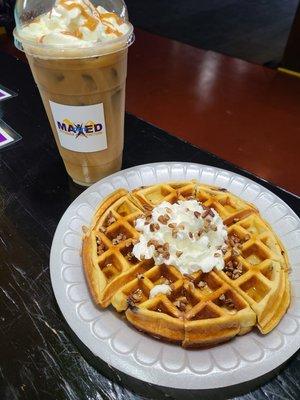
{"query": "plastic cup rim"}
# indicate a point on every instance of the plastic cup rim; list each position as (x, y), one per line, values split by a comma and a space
(65, 51)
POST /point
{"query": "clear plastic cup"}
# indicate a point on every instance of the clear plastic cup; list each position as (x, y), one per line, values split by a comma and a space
(82, 88)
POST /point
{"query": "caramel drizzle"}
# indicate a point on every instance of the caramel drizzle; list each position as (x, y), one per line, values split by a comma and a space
(93, 20)
(109, 28)
(75, 33)
(118, 19)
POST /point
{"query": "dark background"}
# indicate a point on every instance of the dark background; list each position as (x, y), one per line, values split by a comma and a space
(253, 30)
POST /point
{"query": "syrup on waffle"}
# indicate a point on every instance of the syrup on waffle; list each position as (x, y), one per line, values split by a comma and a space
(203, 308)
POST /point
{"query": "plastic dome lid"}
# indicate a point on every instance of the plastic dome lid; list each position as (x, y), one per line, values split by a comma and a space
(58, 28)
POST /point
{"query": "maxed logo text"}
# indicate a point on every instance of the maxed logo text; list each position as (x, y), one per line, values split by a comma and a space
(88, 129)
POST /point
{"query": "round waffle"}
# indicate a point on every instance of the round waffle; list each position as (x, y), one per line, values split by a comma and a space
(203, 308)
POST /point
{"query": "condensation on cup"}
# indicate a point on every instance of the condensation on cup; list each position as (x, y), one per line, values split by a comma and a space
(77, 51)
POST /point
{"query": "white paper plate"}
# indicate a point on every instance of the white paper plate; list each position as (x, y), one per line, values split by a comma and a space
(110, 338)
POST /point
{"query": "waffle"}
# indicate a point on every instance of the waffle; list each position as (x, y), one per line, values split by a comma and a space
(263, 266)
(202, 309)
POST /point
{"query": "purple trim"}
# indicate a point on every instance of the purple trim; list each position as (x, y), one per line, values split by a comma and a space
(2, 138)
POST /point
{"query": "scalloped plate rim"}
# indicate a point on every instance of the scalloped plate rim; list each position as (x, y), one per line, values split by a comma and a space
(128, 364)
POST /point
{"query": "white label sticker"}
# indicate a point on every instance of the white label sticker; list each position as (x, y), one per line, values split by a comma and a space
(80, 128)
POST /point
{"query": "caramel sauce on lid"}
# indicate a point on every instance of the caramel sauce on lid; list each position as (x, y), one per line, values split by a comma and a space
(93, 20)
(104, 16)
(75, 33)
(109, 30)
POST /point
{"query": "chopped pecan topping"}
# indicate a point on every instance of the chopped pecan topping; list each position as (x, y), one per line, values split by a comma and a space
(110, 219)
(166, 246)
(153, 242)
(224, 250)
(163, 219)
(180, 305)
(222, 297)
(234, 240)
(136, 295)
(168, 210)
(181, 226)
(131, 303)
(140, 276)
(154, 227)
(174, 233)
(199, 233)
(160, 249)
(213, 227)
(163, 250)
(178, 253)
(148, 207)
(207, 212)
(172, 225)
(177, 303)
(148, 218)
(233, 269)
(197, 214)
(202, 284)
(134, 298)
(191, 236)
(206, 225)
(247, 237)
(100, 246)
(229, 266)
(235, 252)
(183, 299)
(119, 238)
(229, 304)
(191, 285)
(236, 219)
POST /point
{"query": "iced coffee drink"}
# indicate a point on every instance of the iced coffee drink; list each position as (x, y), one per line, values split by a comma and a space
(78, 56)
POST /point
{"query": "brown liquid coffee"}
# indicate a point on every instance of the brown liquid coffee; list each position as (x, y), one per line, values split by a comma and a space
(81, 82)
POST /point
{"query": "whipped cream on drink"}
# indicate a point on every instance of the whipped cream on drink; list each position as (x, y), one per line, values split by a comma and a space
(76, 23)
(186, 234)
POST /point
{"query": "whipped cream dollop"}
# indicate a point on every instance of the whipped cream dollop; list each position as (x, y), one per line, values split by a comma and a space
(157, 289)
(76, 23)
(186, 234)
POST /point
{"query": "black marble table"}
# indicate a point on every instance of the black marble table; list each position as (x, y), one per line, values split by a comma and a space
(40, 357)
